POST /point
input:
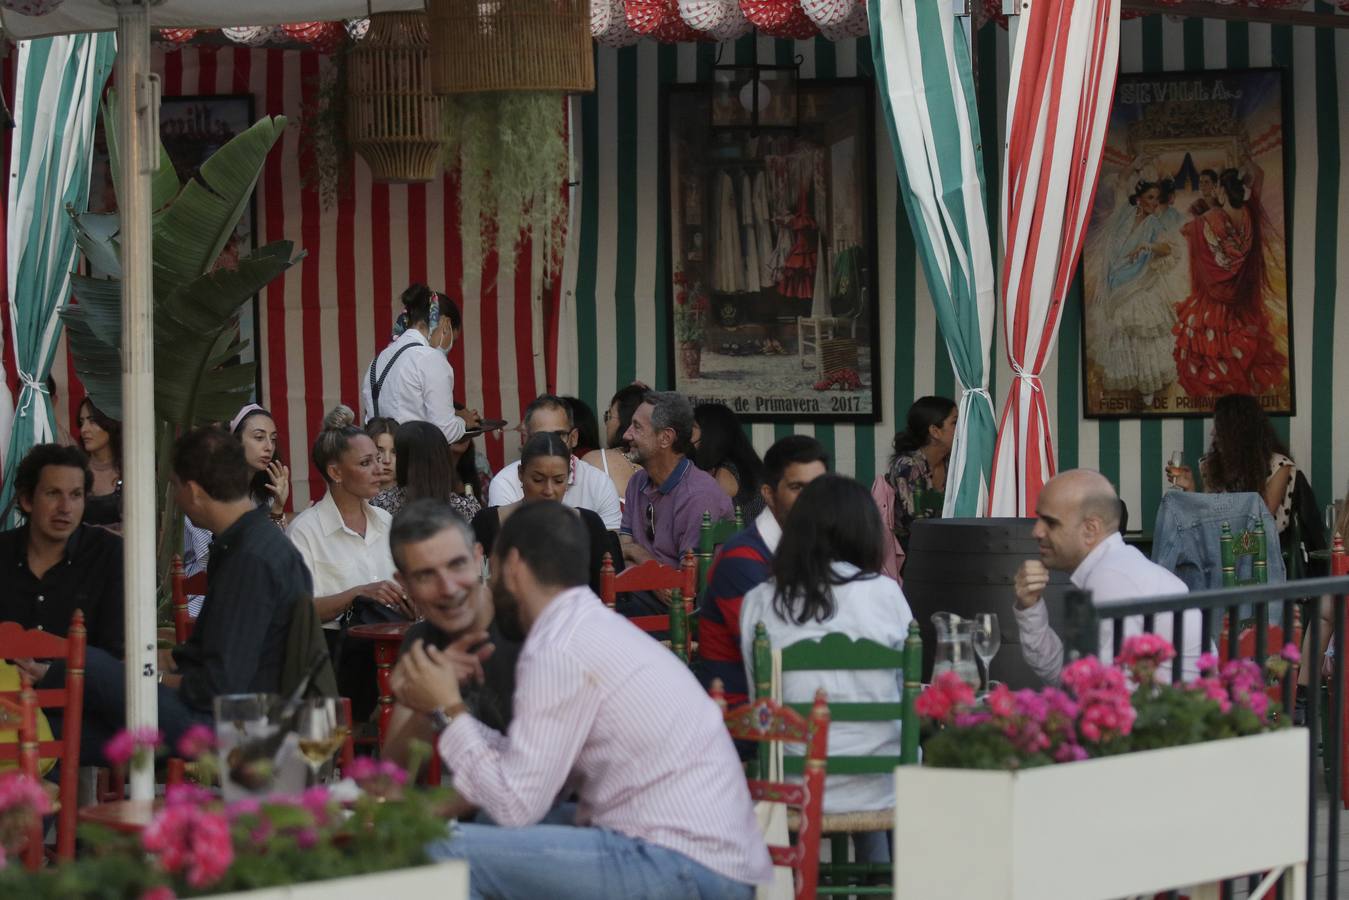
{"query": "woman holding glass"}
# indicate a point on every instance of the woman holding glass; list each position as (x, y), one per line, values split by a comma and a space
(827, 579)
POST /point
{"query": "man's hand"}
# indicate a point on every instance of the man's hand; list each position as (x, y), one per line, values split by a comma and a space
(1031, 580)
(32, 668)
(425, 680)
(634, 554)
(466, 660)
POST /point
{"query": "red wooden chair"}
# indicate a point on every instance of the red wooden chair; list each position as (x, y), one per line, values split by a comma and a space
(765, 720)
(182, 586)
(654, 576)
(17, 643)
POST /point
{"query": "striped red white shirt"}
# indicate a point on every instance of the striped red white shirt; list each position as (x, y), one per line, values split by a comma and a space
(603, 709)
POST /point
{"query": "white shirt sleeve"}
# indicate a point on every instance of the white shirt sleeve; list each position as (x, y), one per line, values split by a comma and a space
(505, 488)
(1041, 647)
(438, 390)
(605, 497)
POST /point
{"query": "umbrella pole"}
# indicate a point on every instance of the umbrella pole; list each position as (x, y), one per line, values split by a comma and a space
(138, 127)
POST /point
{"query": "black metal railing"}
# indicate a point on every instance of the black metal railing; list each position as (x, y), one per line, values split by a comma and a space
(1250, 605)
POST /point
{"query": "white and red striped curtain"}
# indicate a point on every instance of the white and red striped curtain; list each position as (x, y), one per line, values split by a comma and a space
(1058, 106)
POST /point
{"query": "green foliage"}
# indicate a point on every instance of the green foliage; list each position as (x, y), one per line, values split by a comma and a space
(509, 151)
(982, 747)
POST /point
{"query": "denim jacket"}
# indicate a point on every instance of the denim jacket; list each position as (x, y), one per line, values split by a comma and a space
(1186, 538)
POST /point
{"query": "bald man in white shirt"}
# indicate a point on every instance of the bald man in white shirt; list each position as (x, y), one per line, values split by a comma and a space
(1077, 527)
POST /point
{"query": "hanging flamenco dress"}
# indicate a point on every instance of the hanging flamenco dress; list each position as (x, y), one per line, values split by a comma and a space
(1223, 339)
(798, 272)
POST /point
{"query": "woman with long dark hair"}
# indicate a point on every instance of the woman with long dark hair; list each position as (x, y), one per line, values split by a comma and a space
(587, 426)
(101, 440)
(256, 430)
(917, 471)
(1247, 454)
(614, 459)
(545, 467)
(424, 468)
(722, 449)
(827, 579)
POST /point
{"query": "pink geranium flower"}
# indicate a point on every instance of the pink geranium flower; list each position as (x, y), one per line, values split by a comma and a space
(196, 742)
(192, 841)
(129, 743)
(1291, 653)
(945, 695)
(19, 792)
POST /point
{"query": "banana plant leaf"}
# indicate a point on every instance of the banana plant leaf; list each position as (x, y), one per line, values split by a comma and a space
(164, 185)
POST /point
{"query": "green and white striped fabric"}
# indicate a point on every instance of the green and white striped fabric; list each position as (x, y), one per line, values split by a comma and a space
(58, 85)
(614, 322)
(923, 76)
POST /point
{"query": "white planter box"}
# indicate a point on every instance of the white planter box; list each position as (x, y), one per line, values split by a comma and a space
(1106, 828)
(442, 881)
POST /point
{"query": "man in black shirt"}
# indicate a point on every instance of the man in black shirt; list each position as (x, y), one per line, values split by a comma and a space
(440, 566)
(255, 580)
(56, 564)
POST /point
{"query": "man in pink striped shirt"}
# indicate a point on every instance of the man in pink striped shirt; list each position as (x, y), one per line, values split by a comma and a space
(600, 710)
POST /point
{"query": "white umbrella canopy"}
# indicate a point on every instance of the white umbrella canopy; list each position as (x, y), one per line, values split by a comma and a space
(137, 127)
(74, 16)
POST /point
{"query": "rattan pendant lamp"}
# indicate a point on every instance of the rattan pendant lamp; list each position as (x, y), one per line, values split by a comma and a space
(510, 45)
(393, 116)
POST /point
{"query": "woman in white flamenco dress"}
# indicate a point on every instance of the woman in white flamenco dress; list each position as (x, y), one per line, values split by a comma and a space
(1137, 288)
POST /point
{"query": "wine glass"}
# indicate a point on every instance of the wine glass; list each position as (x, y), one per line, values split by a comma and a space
(1332, 517)
(322, 729)
(987, 641)
(1177, 461)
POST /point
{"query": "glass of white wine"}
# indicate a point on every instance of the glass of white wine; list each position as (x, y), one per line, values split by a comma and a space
(987, 642)
(322, 729)
(1174, 465)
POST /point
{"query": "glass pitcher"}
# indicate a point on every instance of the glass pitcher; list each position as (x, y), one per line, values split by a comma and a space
(955, 648)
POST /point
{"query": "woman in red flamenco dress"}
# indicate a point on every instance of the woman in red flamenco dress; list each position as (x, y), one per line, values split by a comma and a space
(1223, 339)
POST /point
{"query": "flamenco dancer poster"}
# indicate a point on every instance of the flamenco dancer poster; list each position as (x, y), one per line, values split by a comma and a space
(1185, 277)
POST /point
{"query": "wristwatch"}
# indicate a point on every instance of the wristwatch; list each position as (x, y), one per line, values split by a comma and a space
(441, 718)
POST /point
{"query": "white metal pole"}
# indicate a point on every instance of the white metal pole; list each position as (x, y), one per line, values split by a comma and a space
(139, 115)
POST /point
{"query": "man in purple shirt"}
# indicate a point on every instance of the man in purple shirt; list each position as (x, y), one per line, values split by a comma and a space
(664, 504)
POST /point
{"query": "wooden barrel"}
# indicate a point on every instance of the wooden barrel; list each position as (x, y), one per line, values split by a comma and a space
(968, 566)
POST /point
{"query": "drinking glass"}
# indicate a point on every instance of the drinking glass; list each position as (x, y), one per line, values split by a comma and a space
(322, 729)
(987, 641)
(1176, 461)
(239, 719)
(1333, 517)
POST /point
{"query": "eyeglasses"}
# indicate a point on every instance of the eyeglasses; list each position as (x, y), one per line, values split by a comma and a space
(651, 522)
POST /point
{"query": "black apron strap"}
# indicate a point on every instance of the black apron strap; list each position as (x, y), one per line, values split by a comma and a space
(377, 384)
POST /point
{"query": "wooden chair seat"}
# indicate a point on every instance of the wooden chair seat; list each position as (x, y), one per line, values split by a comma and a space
(849, 822)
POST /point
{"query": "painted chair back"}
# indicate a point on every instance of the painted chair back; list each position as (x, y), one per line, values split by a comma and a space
(655, 576)
(712, 535)
(765, 721)
(17, 643)
(1244, 545)
(183, 585)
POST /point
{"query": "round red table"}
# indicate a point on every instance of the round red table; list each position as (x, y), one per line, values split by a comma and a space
(126, 816)
(388, 637)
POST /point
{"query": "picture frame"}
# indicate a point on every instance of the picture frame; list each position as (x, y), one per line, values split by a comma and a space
(1186, 290)
(191, 128)
(772, 255)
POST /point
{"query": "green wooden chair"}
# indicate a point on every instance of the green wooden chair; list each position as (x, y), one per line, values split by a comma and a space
(838, 652)
(1244, 545)
(712, 535)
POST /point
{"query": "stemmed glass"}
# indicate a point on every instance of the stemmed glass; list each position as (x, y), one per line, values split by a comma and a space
(1174, 465)
(987, 642)
(322, 729)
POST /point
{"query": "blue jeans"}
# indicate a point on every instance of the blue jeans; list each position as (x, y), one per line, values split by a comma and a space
(566, 861)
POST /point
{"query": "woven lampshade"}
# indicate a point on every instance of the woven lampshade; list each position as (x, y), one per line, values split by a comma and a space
(511, 45)
(393, 117)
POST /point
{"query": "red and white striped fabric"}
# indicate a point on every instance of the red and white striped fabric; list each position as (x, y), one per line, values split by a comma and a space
(1062, 79)
(324, 320)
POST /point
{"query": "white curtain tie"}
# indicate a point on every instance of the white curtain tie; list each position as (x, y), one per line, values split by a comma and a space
(978, 390)
(1032, 381)
(30, 385)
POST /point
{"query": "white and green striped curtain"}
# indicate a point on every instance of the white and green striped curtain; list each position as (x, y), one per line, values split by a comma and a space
(924, 79)
(59, 82)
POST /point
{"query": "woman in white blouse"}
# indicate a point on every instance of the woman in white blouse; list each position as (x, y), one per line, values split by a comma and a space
(827, 578)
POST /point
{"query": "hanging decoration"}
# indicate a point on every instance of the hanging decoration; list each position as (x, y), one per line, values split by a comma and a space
(171, 40)
(854, 26)
(523, 45)
(722, 19)
(609, 24)
(357, 29)
(324, 37)
(31, 7)
(780, 18)
(660, 21)
(393, 117)
(250, 35)
(830, 13)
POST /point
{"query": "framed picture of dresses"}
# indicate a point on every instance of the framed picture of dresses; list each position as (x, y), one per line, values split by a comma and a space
(1185, 274)
(772, 249)
(191, 128)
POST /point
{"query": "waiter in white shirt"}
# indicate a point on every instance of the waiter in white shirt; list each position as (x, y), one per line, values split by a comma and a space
(411, 380)
(1078, 531)
(587, 486)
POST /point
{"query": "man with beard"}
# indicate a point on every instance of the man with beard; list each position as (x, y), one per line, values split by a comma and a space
(600, 708)
(440, 566)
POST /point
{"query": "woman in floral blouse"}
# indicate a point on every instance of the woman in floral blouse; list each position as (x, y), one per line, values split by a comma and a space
(918, 468)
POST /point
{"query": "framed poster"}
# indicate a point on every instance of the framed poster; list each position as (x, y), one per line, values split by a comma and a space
(772, 252)
(1185, 263)
(191, 129)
